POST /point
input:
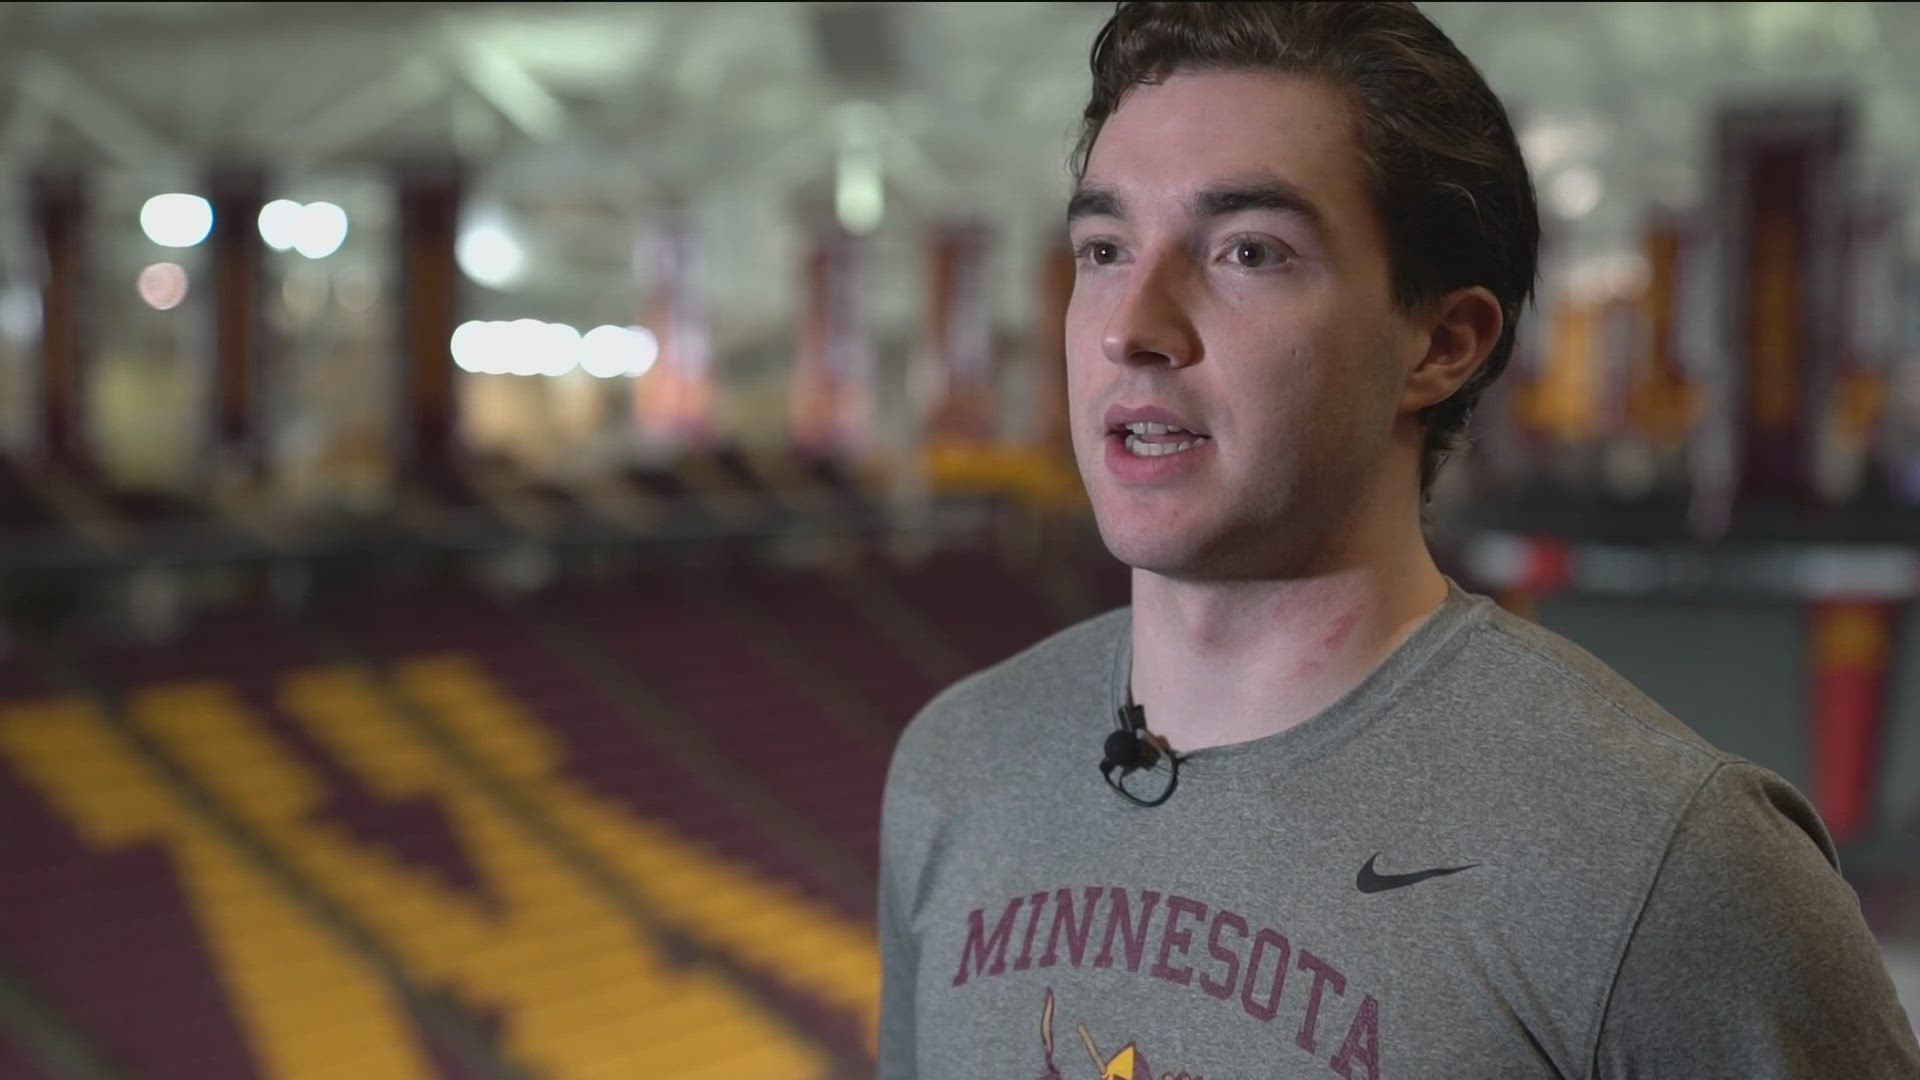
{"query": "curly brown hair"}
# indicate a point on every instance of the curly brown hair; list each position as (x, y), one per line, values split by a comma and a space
(1444, 169)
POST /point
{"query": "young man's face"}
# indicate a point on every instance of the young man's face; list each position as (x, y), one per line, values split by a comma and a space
(1232, 273)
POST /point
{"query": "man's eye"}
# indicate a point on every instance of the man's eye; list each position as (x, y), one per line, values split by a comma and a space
(1099, 252)
(1256, 254)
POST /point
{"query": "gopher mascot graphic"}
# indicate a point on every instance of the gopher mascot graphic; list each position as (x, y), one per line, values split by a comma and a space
(1130, 1063)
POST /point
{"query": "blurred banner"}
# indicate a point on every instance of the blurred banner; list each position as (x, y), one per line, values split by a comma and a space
(832, 398)
(1662, 402)
(1852, 647)
(239, 337)
(58, 208)
(1052, 428)
(1854, 418)
(428, 201)
(1783, 186)
(675, 402)
(956, 352)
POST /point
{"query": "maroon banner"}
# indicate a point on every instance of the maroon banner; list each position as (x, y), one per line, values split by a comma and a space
(58, 207)
(1051, 424)
(1900, 435)
(674, 399)
(1702, 329)
(832, 402)
(1856, 396)
(238, 262)
(956, 352)
(1781, 191)
(429, 213)
(1852, 647)
(1661, 401)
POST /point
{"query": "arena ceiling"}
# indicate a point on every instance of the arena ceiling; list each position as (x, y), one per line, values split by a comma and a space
(581, 119)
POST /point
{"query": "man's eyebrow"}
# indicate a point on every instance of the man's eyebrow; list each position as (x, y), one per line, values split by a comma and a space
(1218, 201)
(1259, 195)
(1094, 202)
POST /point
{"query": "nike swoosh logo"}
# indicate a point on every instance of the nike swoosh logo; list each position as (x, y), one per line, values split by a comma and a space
(1371, 882)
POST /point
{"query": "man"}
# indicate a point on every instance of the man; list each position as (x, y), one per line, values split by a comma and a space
(1409, 836)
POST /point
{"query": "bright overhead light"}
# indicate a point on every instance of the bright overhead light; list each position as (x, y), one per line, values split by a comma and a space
(646, 349)
(19, 316)
(469, 346)
(859, 194)
(1549, 142)
(611, 352)
(533, 347)
(859, 189)
(489, 254)
(563, 348)
(526, 342)
(280, 223)
(321, 230)
(176, 220)
(605, 352)
(163, 285)
(1575, 193)
(496, 353)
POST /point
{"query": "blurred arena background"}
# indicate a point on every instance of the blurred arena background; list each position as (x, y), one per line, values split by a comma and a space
(484, 485)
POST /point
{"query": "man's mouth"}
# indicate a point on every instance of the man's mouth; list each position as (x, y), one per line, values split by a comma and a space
(1148, 439)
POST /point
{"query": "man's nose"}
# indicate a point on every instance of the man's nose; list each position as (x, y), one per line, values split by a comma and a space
(1151, 324)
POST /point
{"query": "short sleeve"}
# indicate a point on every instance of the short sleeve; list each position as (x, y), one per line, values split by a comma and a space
(1750, 957)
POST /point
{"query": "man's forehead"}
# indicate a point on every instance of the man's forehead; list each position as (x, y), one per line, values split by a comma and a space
(1173, 141)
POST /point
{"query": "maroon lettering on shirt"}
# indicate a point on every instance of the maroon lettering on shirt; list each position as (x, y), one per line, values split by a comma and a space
(1223, 989)
(1268, 1009)
(1251, 962)
(1120, 921)
(1323, 974)
(979, 947)
(1035, 903)
(1363, 1042)
(1172, 937)
(1078, 927)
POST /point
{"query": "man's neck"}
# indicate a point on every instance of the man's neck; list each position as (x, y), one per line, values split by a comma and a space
(1216, 663)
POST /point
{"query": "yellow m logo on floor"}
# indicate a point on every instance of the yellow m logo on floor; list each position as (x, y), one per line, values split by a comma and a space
(585, 992)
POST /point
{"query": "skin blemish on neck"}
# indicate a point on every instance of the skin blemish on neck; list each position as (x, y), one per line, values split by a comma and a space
(1341, 631)
(1336, 636)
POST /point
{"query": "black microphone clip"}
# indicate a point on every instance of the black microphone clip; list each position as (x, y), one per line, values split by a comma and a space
(1131, 749)
(1127, 749)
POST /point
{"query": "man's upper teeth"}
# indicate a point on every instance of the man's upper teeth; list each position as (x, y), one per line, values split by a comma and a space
(1146, 428)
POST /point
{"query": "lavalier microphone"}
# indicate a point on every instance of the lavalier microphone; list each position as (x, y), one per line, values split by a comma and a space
(1131, 749)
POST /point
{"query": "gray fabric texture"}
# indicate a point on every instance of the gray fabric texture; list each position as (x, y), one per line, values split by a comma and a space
(1623, 899)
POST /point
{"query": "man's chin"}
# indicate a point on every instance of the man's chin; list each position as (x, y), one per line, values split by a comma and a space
(1162, 551)
(1202, 555)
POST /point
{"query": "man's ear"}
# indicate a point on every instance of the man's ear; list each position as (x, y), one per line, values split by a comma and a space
(1462, 329)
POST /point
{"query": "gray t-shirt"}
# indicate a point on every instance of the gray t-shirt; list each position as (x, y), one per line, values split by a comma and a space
(1621, 899)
